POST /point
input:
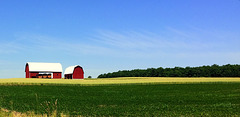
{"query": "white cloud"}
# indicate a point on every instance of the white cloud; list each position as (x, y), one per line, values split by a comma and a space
(130, 43)
(10, 47)
(41, 43)
(171, 42)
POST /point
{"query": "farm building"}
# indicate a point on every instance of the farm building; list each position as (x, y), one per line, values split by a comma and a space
(74, 72)
(43, 70)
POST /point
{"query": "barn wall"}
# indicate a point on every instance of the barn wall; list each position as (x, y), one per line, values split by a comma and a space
(78, 73)
(33, 74)
(57, 75)
(27, 71)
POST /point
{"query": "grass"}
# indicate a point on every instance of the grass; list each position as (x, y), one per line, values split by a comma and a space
(7, 113)
(126, 80)
(190, 99)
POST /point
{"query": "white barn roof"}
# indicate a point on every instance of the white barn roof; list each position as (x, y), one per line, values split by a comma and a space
(44, 67)
(69, 70)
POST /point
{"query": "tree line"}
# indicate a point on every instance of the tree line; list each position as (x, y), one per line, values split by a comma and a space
(202, 71)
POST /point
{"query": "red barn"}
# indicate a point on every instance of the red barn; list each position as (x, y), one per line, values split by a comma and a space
(43, 70)
(74, 72)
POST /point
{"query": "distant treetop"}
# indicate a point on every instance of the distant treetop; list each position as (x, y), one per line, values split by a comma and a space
(202, 71)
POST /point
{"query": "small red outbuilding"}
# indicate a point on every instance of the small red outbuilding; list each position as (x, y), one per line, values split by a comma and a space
(43, 70)
(74, 72)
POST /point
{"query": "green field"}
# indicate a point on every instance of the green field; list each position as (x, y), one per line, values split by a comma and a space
(159, 99)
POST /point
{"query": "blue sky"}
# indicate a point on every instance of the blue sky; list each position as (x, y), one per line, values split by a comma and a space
(110, 35)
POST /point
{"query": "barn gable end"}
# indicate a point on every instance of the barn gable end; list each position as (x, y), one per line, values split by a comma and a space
(74, 72)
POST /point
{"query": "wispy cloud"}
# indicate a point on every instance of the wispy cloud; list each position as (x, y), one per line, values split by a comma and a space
(7, 47)
(136, 40)
(170, 42)
(43, 43)
(130, 43)
(126, 49)
(126, 39)
(172, 39)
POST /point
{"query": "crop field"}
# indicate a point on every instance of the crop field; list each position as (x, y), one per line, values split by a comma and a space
(198, 98)
(124, 80)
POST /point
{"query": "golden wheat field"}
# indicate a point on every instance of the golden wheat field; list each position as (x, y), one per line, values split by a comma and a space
(123, 80)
